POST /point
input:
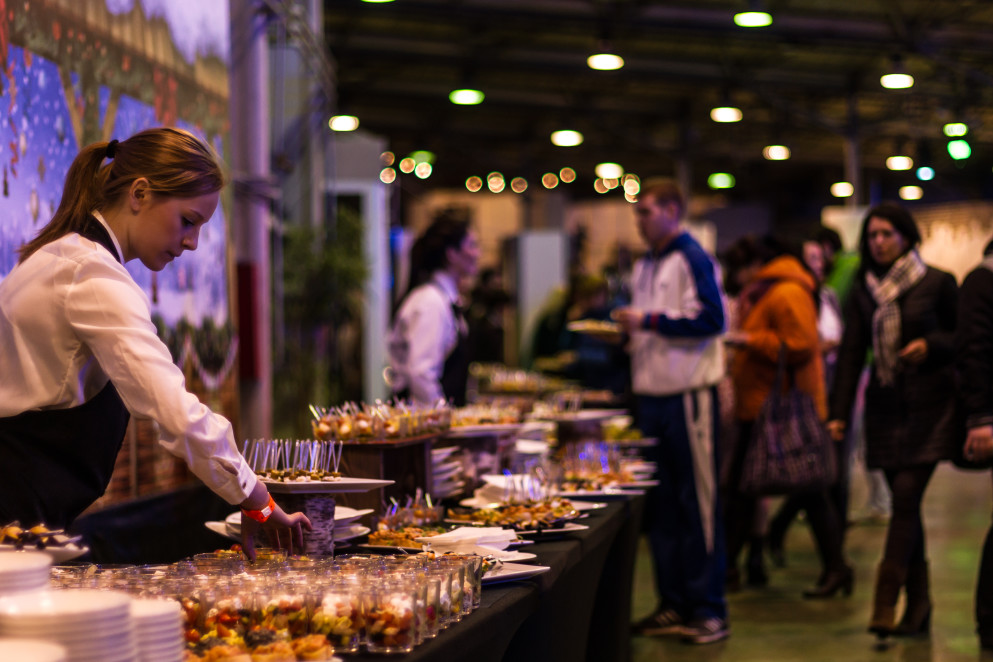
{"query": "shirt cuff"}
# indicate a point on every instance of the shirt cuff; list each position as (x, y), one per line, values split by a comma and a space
(240, 487)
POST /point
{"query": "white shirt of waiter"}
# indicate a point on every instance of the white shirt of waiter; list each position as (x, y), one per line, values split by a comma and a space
(424, 333)
(72, 317)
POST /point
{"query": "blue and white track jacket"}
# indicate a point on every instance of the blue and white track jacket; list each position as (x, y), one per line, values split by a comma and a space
(680, 347)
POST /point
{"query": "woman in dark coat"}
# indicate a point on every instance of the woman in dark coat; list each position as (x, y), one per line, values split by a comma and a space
(904, 312)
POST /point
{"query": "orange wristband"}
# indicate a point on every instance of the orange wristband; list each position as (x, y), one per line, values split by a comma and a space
(262, 515)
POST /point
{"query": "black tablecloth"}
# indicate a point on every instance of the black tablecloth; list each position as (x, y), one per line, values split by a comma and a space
(578, 610)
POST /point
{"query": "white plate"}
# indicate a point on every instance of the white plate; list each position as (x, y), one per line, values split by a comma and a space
(568, 527)
(480, 503)
(56, 554)
(532, 447)
(388, 548)
(607, 493)
(343, 484)
(481, 430)
(346, 513)
(505, 572)
(638, 484)
(350, 532)
(446, 470)
(67, 606)
(595, 327)
(29, 560)
(439, 454)
(510, 556)
(33, 650)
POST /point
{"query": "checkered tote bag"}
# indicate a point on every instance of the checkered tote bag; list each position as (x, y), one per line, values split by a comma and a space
(790, 450)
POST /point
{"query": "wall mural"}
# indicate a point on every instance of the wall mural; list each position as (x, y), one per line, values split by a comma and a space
(77, 71)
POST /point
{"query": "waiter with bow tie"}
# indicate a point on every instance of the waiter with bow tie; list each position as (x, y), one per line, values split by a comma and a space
(428, 344)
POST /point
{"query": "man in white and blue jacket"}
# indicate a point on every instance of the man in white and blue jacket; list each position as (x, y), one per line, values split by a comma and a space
(676, 319)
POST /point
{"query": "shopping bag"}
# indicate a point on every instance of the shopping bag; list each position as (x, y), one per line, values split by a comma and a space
(790, 450)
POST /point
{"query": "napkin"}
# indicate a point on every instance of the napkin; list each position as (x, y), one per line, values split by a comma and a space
(466, 537)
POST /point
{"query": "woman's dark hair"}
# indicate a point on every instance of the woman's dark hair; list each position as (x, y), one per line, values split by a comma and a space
(899, 218)
(175, 162)
(429, 252)
(750, 250)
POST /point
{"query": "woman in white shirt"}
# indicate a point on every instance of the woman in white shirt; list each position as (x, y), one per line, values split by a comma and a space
(80, 352)
(428, 344)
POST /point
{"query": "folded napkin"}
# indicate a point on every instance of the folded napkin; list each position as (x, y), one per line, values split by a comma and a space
(491, 537)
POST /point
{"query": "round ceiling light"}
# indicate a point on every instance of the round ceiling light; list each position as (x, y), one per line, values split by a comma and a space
(605, 62)
(609, 171)
(725, 114)
(567, 138)
(466, 97)
(753, 19)
(343, 123)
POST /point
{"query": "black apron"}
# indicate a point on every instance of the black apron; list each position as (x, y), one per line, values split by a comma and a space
(55, 463)
(455, 371)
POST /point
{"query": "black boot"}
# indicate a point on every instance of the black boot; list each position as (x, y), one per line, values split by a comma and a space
(890, 578)
(842, 579)
(917, 615)
(756, 564)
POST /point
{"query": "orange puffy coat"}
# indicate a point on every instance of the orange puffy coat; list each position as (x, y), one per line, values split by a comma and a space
(778, 306)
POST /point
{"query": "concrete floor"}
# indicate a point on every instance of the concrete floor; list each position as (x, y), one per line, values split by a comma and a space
(776, 623)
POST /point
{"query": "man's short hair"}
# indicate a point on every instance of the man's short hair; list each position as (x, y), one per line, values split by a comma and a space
(665, 190)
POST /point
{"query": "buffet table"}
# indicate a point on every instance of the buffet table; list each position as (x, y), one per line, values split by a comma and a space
(587, 590)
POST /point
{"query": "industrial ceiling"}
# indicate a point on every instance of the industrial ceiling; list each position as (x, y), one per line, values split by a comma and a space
(810, 81)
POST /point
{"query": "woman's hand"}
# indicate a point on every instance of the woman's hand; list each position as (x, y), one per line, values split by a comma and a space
(836, 429)
(915, 351)
(736, 338)
(629, 318)
(286, 530)
(979, 444)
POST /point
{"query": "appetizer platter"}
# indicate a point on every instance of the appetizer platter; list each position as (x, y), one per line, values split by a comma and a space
(56, 543)
(528, 516)
(304, 467)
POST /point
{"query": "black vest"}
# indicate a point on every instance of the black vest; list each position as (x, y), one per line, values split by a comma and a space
(55, 463)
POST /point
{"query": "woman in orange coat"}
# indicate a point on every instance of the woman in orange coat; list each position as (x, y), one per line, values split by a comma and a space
(778, 307)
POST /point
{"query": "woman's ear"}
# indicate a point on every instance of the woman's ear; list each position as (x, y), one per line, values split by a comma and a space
(138, 194)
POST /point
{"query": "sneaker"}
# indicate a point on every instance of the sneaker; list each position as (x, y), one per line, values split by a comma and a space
(662, 622)
(706, 631)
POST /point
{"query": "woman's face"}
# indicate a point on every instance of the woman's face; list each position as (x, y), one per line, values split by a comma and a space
(464, 260)
(162, 227)
(813, 257)
(885, 243)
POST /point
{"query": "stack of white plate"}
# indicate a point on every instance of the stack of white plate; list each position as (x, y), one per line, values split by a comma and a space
(159, 628)
(31, 650)
(94, 626)
(447, 472)
(23, 572)
(233, 524)
(347, 524)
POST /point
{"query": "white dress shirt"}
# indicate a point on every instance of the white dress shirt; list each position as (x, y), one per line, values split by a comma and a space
(424, 333)
(72, 317)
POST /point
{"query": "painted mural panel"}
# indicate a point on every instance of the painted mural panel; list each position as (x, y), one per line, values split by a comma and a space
(76, 71)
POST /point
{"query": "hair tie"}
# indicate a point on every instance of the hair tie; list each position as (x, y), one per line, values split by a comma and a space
(111, 149)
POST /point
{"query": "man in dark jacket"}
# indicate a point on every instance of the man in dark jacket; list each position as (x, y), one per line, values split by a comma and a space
(974, 349)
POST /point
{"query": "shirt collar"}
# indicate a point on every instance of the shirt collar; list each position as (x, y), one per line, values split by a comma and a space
(97, 215)
(444, 280)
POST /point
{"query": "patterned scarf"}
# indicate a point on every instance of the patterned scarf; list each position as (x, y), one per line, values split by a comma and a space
(886, 326)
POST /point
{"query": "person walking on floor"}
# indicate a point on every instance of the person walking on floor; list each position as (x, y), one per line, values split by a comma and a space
(905, 311)
(675, 321)
(778, 310)
(974, 359)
